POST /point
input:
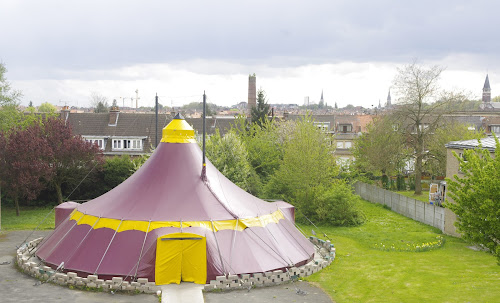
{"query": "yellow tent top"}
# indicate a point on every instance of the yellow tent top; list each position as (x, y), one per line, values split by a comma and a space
(178, 131)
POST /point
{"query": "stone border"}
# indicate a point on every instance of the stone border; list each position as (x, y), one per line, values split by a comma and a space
(325, 254)
(26, 262)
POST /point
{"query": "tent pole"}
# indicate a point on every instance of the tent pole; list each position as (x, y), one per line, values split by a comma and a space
(218, 249)
(109, 245)
(204, 167)
(156, 120)
(142, 249)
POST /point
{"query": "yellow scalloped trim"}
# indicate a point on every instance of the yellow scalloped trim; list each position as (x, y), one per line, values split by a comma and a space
(113, 224)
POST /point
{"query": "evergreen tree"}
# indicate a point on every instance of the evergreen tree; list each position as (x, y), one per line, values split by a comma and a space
(260, 113)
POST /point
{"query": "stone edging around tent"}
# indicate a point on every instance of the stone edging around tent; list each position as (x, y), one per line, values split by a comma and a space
(325, 254)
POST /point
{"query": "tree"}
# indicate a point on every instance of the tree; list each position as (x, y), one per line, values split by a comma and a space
(435, 158)
(47, 108)
(116, 170)
(99, 103)
(381, 138)
(71, 157)
(24, 165)
(264, 144)
(475, 197)
(420, 109)
(260, 112)
(307, 163)
(7, 95)
(229, 155)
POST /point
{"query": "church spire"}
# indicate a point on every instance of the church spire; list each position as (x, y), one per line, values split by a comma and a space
(486, 90)
(389, 99)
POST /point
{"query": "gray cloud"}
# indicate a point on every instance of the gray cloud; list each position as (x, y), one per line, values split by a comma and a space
(105, 34)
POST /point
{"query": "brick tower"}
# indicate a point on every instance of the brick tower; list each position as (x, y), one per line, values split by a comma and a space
(252, 92)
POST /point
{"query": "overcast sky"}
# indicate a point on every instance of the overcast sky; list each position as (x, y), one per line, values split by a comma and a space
(62, 51)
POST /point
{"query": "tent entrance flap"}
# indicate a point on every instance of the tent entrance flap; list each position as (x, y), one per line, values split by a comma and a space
(181, 257)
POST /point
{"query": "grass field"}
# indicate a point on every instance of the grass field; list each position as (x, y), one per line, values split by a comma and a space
(395, 259)
(390, 258)
(424, 197)
(28, 219)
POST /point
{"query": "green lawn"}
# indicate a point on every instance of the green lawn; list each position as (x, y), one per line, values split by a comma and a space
(28, 219)
(423, 197)
(395, 259)
(390, 258)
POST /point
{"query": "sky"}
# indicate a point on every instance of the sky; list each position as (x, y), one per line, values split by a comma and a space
(64, 51)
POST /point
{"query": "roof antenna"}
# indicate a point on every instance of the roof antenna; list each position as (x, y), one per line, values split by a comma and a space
(204, 168)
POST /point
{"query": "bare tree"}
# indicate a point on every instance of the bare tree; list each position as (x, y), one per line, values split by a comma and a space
(99, 102)
(420, 107)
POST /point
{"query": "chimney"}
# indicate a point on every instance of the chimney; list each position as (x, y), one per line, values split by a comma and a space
(113, 116)
(252, 92)
(65, 113)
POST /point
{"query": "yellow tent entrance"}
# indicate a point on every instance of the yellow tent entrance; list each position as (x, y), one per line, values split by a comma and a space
(181, 257)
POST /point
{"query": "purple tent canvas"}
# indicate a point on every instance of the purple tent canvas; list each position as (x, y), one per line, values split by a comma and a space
(168, 224)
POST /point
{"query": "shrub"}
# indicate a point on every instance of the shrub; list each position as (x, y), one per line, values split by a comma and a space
(336, 205)
(400, 183)
(385, 182)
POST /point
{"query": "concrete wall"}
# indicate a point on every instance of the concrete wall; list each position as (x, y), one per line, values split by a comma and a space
(417, 210)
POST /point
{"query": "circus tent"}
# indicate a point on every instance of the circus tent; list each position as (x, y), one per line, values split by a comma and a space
(168, 224)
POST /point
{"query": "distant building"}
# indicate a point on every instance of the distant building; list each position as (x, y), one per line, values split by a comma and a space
(306, 101)
(117, 133)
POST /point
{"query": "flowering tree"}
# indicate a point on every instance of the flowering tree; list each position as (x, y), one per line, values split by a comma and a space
(71, 157)
(24, 165)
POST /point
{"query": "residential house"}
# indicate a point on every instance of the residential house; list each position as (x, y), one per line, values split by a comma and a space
(347, 128)
(134, 134)
(452, 168)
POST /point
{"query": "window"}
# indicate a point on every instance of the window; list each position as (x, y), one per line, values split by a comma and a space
(340, 144)
(98, 142)
(127, 144)
(344, 128)
(347, 144)
(495, 129)
(117, 144)
(324, 126)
